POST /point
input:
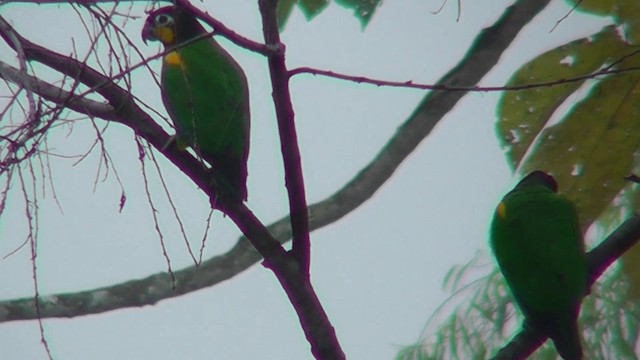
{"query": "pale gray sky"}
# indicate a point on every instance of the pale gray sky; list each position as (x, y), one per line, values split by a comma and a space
(378, 271)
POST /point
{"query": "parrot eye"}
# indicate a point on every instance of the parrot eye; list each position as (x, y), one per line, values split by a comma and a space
(163, 19)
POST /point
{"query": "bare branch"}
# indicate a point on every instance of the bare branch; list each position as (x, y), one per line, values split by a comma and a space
(294, 179)
(294, 281)
(220, 28)
(479, 60)
(443, 87)
(32, 114)
(56, 94)
(154, 212)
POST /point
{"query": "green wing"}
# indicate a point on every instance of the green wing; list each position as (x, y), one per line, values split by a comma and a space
(536, 238)
(207, 97)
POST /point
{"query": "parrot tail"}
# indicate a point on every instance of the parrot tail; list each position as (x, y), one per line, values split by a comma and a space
(231, 173)
(566, 338)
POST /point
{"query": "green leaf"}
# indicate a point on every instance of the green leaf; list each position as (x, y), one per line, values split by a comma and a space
(362, 9)
(592, 147)
(283, 11)
(623, 12)
(629, 14)
(311, 8)
(523, 114)
(596, 7)
(587, 133)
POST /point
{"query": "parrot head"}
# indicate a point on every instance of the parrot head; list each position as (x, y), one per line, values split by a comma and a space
(171, 25)
(538, 178)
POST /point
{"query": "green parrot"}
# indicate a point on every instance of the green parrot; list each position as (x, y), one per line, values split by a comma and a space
(536, 239)
(206, 95)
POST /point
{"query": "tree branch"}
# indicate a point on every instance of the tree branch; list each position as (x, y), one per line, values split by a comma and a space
(294, 180)
(312, 316)
(314, 321)
(598, 260)
(356, 192)
(411, 85)
(56, 94)
(223, 30)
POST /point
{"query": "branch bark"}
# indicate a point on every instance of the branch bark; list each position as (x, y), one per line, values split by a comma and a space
(295, 282)
(56, 94)
(294, 180)
(481, 57)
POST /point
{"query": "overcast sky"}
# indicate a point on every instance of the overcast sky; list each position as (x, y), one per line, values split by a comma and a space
(378, 271)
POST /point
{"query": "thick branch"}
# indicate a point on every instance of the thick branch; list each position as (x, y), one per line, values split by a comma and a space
(295, 282)
(355, 193)
(314, 321)
(288, 136)
(598, 260)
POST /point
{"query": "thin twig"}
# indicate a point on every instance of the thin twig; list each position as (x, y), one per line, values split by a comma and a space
(154, 212)
(479, 60)
(444, 87)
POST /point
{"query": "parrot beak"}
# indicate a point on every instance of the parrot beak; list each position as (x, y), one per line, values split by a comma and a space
(148, 33)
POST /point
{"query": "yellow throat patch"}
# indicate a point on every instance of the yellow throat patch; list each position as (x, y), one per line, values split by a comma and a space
(174, 59)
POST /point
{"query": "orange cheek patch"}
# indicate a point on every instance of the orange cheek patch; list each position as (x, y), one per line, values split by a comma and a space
(165, 35)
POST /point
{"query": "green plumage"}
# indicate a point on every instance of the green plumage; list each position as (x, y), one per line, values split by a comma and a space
(536, 239)
(205, 92)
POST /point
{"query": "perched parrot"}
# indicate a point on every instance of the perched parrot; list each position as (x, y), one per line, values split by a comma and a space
(206, 95)
(536, 239)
